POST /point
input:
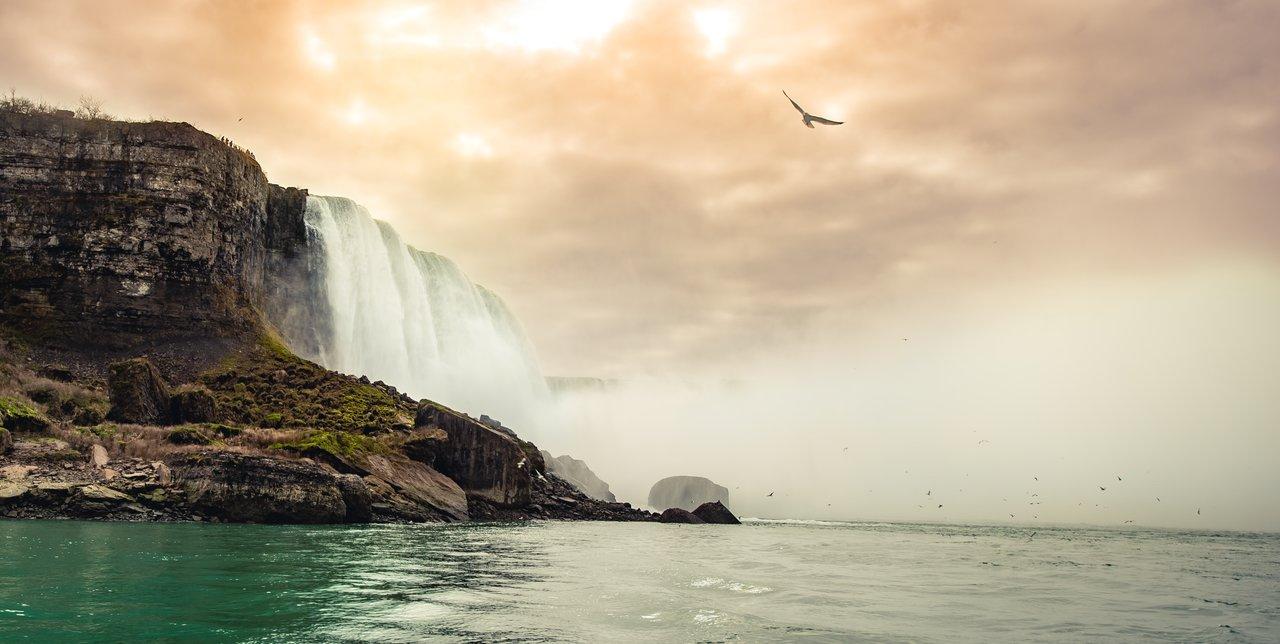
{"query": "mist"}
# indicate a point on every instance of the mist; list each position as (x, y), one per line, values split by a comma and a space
(1166, 381)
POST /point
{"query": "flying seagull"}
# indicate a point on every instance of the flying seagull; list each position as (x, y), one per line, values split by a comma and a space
(810, 119)
(769, 494)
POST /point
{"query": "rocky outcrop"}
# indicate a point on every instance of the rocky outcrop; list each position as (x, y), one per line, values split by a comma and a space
(485, 462)
(577, 474)
(133, 236)
(192, 404)
(687, 492)
(259, 489)
(715, 512)
(138, 393)
(6, 441)
(677, 515)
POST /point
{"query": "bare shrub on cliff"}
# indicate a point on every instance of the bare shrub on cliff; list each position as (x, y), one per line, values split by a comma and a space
(15, 104)
(90, 108)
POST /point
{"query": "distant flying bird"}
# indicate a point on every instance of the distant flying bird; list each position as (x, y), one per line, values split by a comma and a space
(1036, 478)
(1197, 511)
(1119, 479)
(845, 449)
(983, 441)
(1129, 521)
(239, 119)
(939, 505)
(769, 494)
(929, 493)
(1102, 488)
(810, 119)
(1033, 536)
(1157, 499)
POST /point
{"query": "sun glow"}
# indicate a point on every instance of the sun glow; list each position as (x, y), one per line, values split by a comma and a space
(317, 51)
(717, 26)
(563, 25)
(469, 144)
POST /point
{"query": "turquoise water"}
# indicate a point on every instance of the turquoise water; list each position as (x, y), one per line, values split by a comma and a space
(590, 582)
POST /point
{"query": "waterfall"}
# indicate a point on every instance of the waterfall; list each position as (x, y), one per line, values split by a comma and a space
(377, 307)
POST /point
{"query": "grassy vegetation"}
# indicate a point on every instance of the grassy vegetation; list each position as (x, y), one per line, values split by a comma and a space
(268, 386)
(202, 434)
(343, 445)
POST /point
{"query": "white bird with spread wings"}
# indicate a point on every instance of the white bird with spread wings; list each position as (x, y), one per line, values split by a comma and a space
(809, 119)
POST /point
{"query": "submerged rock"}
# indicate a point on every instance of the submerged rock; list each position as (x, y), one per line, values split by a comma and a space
(685, 492)
(579, 475)
(138, 393)
(677, 515)
(715, 512)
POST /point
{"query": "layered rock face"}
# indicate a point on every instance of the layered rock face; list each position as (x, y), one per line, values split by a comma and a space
(486, 462)
(115, 236)
(579, 475)
(686, 492)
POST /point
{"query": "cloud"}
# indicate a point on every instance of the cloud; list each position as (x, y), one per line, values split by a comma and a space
(647, 207)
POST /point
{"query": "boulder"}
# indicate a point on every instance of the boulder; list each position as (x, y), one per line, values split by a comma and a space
(163, 476)
(678, 515)
(6, 441)
(356, 496)
(12, 490)
(101, 494)
(715, 512)
(98, 457)
(192, 404)
(577, 474)
(138, 393)
(485, 462)
(413, 488)
(20, 416)
(244, 488)
(686, 492)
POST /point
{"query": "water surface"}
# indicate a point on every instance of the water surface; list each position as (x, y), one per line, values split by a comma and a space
(552, 581)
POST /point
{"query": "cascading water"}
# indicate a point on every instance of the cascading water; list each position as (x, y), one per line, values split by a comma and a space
(380, 308)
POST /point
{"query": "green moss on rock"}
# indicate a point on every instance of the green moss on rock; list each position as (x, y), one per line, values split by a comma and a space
(20, 416)
(343, 445)
(202, 434)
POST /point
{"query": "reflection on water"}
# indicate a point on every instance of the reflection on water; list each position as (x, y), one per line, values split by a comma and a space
(601, 581)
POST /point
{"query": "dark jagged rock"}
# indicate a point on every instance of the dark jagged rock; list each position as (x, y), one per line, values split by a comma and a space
(192, 404)
(485, 462)
(678, 515)
(715, 512)
(356, 497)
(579, 475)
(259, 489)
(687, 492)
(138, 393)
(6, 441)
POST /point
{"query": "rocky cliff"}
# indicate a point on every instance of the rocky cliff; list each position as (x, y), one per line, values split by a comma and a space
(579, 475)
(139, 378)
(120, 238)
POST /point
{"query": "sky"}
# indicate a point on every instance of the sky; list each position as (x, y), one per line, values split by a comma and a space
(1046, 225)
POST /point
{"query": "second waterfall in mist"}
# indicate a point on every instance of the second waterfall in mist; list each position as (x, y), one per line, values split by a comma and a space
(378, 307)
